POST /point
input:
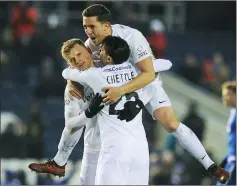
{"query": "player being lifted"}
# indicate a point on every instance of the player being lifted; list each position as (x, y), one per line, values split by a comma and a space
(69, 138)
(124, 154)
(96, 22)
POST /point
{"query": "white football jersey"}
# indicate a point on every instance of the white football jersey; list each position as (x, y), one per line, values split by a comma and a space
(74, 107)
(139, 46)
(113, 75)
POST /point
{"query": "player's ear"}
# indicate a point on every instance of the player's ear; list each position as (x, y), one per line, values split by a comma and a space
(106, 26)
(109, 59)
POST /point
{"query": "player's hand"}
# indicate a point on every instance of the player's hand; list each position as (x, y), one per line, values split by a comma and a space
(75, 90)
(94, 106)
(112, 94)
(130, 111)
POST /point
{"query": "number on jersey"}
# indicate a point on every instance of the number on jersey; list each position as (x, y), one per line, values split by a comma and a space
(135, 105)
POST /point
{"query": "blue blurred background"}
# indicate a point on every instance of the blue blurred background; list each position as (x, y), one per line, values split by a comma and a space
(198, 37)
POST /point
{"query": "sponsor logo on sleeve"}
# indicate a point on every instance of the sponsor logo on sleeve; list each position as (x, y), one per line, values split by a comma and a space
(142, 51)
(140, 48)
(142, 54)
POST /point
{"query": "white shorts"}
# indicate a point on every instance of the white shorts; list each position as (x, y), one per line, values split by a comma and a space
(88, 167)
(159, 97)
(123, 165)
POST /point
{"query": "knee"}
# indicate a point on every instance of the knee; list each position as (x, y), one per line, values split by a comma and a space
(167, 118)
(171, 126)
(69, 130)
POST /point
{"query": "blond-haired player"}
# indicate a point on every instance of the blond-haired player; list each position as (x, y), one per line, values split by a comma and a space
(74, 113)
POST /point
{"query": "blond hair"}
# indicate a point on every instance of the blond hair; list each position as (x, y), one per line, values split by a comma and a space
(231, 85)
(68, 45)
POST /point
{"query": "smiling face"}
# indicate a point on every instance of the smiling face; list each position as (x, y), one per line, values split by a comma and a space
(79, 57)
(96, 30)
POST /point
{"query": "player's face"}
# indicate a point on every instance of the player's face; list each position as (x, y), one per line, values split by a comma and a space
(80, 57)
(94, 29)
(104, 57)
(228, 97)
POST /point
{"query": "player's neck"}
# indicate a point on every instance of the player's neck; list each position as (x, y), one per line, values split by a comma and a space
(109, 32)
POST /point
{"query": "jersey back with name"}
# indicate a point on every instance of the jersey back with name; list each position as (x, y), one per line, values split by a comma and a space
(110, 126)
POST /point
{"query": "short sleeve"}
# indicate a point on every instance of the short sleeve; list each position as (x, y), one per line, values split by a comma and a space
(140, 48)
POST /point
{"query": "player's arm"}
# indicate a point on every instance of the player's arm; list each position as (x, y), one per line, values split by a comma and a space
(77, 122)
(146, 76)
(161, 65)
(142, 56)
(72, 109)
(73, 75)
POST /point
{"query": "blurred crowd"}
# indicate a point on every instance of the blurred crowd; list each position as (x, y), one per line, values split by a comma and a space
(208, 73)
(32, 92)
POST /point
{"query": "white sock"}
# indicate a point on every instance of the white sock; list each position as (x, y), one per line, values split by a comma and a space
(191, 143)
(66, 145)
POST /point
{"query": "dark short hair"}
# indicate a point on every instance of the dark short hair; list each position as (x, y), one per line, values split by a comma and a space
(117, 48)
(100, 11)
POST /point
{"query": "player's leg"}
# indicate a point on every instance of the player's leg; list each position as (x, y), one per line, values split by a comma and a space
(160, 108)
(67, 143)
(65, 147)
(88, 167)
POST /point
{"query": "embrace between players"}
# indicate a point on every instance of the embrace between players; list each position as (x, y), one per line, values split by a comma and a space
(119, 76)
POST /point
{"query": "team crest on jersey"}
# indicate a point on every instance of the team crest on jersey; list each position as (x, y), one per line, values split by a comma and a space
(140, 48)
(142, 51)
